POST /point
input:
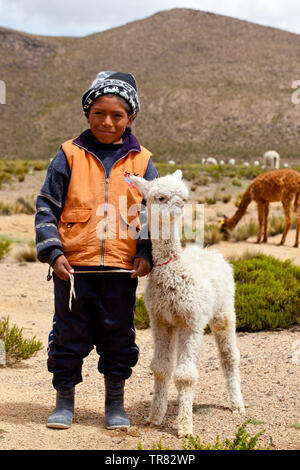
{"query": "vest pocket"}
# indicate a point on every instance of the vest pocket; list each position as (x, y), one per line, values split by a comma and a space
(74, 228)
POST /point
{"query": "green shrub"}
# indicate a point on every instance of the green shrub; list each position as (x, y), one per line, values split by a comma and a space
(267, 295)
(17, 347)
(211, 199)
(294, 425)
(212, 235)
(226, 198)
(24, 205)
(4, 247)
(39, 165)
(141, 317)
(241, 441)
(236, 182)
(5, 209)
(17, 169)
(21, 206)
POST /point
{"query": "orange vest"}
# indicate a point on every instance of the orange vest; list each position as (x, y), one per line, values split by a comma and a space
(99, 223)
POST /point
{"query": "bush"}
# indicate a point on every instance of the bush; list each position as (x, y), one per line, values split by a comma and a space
(27, 253)
(24, 206)
(4, 247)
(242, 441)
(212, 235)
(236, 182)
(141, 317)
(267, 295)
(4, 208)
(11, 170)
(226, 198)
(16, 346)
(242, 232)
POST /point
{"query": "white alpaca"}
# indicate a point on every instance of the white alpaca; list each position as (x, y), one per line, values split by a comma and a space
(209, 161)
(271, 160)
(256, 163)
(212, 161)
(187, 289)
(231, 161)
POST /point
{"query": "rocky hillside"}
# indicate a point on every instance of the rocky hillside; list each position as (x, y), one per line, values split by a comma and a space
(208, 85)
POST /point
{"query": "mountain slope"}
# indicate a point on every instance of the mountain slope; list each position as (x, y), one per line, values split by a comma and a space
(208, 85)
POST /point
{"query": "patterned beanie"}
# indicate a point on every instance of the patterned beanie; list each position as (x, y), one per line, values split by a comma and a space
(116, 83)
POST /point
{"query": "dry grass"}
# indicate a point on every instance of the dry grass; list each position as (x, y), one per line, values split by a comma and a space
(27, 253)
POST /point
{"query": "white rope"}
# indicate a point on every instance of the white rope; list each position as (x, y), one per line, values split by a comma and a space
(72, 290)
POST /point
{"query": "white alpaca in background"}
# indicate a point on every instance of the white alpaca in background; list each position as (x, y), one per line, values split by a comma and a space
(209, 161)
(271, 160)
(187, 289)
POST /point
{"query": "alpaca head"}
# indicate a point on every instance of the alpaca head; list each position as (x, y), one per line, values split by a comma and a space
(225, 227)
(168, 193)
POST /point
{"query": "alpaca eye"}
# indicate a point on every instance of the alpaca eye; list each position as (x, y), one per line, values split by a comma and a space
(162, 198)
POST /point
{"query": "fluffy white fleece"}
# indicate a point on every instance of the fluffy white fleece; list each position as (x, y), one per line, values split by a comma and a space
(192, 290)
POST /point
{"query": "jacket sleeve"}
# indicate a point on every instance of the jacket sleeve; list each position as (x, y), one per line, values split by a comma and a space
(144, 247)
(49, 206)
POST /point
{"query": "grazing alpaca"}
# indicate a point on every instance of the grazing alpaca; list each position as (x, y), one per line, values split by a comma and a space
(276, 185)
(187, 289)
(209, 161)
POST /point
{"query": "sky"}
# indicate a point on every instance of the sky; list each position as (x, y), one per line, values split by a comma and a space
(83, 17)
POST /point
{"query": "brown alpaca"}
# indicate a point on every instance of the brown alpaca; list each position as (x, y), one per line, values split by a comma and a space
(276, 185)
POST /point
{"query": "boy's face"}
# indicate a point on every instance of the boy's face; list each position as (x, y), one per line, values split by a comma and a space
(108, 119)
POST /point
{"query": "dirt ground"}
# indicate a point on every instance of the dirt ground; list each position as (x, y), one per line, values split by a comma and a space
(270, 364)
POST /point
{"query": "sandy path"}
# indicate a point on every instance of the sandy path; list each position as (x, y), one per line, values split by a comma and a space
(269, 371)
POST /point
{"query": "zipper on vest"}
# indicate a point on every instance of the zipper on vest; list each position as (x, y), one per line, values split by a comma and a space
(105, 217)
(106, 193)
(106, 201)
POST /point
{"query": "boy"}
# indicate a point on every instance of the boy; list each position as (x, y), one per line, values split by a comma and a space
(76, 231)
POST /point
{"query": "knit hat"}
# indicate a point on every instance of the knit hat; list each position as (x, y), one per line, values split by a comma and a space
(117, 83)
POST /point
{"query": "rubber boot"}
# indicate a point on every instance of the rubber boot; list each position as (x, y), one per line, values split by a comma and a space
(62, 416)
(115, 415)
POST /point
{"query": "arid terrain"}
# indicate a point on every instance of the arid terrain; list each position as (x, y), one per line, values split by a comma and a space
(208, 84)
(270, 363)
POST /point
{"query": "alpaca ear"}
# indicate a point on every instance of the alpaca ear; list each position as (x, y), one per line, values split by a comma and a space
(141, 184)
(178, 174)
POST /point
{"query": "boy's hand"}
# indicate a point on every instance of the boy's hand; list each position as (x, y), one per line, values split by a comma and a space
(141, 266)
(62, 268)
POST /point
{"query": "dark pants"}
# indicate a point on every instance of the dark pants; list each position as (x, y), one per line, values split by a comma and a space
(102, 316)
